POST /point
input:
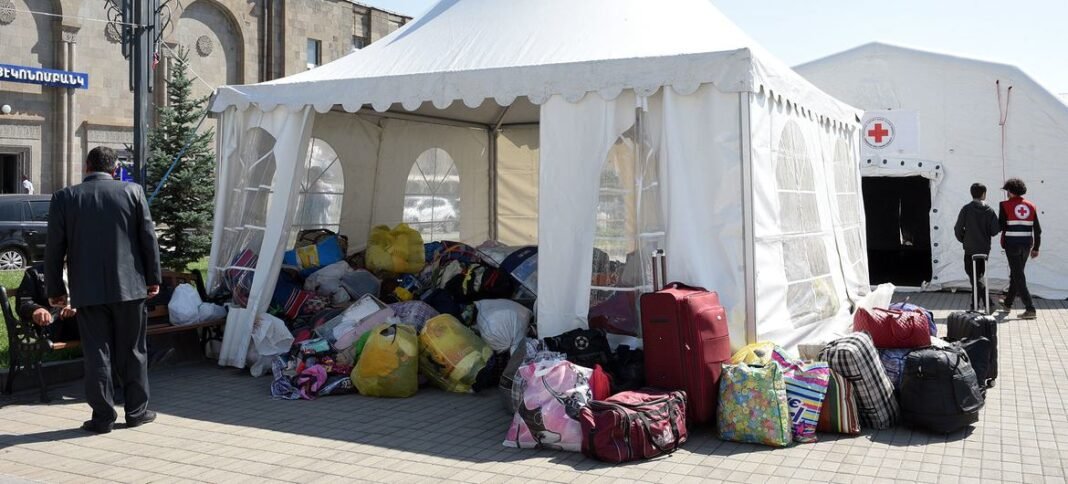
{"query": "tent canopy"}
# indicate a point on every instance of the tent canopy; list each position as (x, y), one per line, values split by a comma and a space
(473, 50)
(716, 151)
(971, 128)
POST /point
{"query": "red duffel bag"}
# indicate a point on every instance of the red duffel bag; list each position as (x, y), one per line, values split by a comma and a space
(890, 328)
(634, 425)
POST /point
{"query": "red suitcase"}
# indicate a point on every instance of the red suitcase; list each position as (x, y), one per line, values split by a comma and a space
(684, 332)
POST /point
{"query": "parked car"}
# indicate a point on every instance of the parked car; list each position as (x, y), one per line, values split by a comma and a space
(424, 209)
(23, 230)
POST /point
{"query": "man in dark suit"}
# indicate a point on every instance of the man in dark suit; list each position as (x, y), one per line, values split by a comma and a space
(103, 231)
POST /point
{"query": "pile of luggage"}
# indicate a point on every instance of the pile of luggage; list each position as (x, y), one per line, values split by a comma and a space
(399, 314)
(564, 392)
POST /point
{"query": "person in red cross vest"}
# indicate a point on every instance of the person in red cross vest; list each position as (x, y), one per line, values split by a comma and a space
(1021, 236)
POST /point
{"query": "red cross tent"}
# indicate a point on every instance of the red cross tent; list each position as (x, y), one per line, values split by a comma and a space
(935, 124)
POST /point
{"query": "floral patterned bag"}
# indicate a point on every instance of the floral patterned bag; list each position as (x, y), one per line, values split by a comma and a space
(752, 405)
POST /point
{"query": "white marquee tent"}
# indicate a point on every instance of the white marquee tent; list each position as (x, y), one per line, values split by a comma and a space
(971, 128)
(743, 171)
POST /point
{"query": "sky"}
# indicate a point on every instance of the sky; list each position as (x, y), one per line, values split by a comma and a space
(1031, 34)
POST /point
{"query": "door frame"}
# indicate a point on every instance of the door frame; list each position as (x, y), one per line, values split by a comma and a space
(24, 156)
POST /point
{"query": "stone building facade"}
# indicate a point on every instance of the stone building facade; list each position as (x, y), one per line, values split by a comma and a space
(49, 130)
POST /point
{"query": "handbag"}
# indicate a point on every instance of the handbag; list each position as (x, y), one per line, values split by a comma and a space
(634, 425)
(891, 328)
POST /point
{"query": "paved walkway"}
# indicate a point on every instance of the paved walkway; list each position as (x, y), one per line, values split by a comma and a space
(219, 425)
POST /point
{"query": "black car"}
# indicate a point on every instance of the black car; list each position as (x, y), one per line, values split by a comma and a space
(23, 230)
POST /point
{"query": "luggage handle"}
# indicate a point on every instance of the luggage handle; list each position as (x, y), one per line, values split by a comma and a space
(975, 283)
(661, 276)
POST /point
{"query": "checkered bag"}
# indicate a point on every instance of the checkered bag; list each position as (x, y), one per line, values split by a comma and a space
(854, 357)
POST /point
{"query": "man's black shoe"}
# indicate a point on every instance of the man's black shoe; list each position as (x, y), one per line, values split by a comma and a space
(96, 427)
(148, 417)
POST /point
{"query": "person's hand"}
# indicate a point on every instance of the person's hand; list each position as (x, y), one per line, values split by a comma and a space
(58, 301)
(1034, 254)
(67, 313)
(42, 317)
(153, 291)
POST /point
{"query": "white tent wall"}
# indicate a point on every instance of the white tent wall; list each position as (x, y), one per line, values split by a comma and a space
(959, 119)
(256, 205)
(356, 141)
(802, 293)
(404, 141)
(517, 185)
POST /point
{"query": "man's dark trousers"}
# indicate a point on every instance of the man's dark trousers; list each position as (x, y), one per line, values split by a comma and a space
(115, 332)
(1017, 257)
(977, 278)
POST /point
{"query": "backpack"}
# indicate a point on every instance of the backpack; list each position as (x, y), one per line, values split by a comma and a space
(939, 391)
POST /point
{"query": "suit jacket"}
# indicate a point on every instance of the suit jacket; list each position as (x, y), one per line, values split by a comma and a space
(103, 231)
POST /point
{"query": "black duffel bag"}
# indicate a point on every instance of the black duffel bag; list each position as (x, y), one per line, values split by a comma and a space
(939, 391)
(583, 347)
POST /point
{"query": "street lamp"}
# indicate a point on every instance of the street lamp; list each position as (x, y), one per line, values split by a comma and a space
(141, 25)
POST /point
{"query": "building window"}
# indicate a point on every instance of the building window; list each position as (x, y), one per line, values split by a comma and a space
(315, 55)
(432, 196)
(358, 42)
(321, 191)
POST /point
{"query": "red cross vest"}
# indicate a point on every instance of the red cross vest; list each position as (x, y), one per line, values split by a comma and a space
(1020, 215)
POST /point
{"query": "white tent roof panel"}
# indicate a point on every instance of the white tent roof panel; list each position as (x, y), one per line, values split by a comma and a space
(473, 50)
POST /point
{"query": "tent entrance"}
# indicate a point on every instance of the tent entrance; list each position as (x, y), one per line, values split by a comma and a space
(899, 229)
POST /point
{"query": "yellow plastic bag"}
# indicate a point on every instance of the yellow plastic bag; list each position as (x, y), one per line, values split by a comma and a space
(398, 251)
(450, 354)
(389, 364)
(754, 354)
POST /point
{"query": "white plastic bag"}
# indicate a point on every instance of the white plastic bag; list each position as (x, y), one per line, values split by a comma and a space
(269, 338)
(327, 282)
(502, 323)
(184, 306)
(210, 312)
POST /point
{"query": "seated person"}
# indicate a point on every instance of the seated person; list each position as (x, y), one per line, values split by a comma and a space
(31, 301)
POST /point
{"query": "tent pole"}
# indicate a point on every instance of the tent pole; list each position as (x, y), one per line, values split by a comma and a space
(749, 244)
(413, 117)
(493, 132)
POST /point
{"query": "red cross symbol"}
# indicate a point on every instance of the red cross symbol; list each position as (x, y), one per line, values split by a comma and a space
(1022, 211)
(878, 132)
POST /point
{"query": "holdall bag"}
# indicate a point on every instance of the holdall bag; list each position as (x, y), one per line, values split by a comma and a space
(854, 357)
(893, 361)
(583, 347)
(839, 412)
(971, 325)
(634, 425)
(980, 352)
(939, 391)
(686, 341)
(890, 328)
(753, 407)
(907, 306)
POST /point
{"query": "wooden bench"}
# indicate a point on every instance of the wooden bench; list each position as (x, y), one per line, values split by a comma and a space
(28, 345)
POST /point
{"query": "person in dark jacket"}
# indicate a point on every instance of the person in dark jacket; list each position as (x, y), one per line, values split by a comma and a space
(976, 225)
(1021, 236)
(102, 231)
(31, 301)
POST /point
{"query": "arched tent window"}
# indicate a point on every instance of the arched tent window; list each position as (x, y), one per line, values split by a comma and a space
(847, 190)
(432, 196)
(628, 229)
(321, 191)
(246, 216)
(810, 291)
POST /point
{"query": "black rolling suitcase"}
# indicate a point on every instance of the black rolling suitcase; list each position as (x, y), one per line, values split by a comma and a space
(968, 326)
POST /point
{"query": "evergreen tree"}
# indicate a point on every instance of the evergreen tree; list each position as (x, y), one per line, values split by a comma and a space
(184, 207)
